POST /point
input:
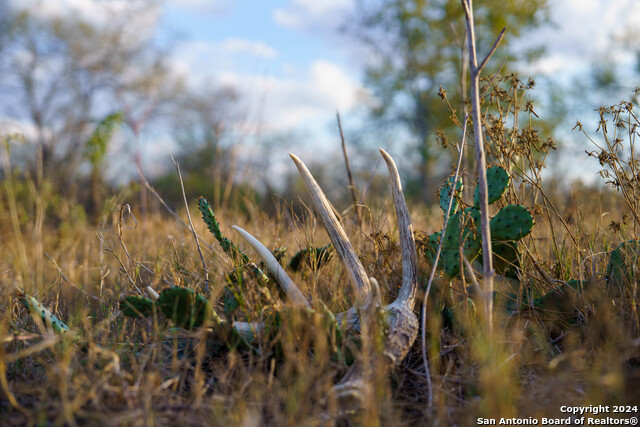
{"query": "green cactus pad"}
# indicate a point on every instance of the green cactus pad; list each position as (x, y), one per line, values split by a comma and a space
(459, 229)
(48, 319)
(448, 190)
(497, 184)
(505, 258)
(473, 214)
(624, 268)
(513, 222)
(136, 306)
(230, 302)
(558, 306)
(578, 285)
(432, 247)
(314, 257)
(185, 307)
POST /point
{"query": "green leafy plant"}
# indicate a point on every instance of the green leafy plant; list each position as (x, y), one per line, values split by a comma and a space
(510, 224)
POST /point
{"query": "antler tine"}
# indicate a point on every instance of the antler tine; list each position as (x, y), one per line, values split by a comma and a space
(409, 287)
(274, 267)
(357, 274)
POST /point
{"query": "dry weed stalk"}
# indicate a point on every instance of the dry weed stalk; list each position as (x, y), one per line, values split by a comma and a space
(481, 162)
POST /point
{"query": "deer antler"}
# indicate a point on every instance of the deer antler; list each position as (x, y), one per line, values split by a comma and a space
(402, 324)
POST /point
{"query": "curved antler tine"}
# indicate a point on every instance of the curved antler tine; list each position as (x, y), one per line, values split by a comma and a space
(274, 267)
(357, 274)
(409, 287)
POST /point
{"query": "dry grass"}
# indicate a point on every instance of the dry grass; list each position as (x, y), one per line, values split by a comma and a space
(581, 348)
(141, 372)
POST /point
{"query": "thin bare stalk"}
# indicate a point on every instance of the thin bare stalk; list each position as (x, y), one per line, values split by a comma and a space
(480, 156)
(193, 230)
(66, 279)
(352, 187)
(423, 335)
(166, 206)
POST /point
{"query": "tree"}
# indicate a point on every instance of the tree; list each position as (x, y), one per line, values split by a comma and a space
(416, 47)
(62, 74)
(203, 123)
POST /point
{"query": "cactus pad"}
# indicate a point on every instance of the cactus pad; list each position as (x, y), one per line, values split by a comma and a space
(185, 307)
(497, 183)
(624, 268)
(505, 258)
(48, 319)
(314, 257)
(473, 214)
(513, 222)
(136, 306)
(447, 191)
(459, 232)
(432, 247)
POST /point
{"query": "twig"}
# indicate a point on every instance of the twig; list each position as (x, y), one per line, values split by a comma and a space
(66, 279)
(474, 280)
(493, 49)
(126, 208)
(352, 187)
(487, 260)
(435, 264)
(193, 230)
(167, 207)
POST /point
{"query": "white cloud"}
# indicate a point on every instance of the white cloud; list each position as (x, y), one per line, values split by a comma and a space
(203, 7)
(297, 100)
(94, 11)
(199, 61)
(253, 47)
(20, 128)
(581, 31)
(313, 15)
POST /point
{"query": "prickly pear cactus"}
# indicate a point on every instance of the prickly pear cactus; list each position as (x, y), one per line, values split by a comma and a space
(624, 266)
(505, 258)
(185, 307)
(459, 232)
(314, 257)
(497, 184)
(137, 306)
(513, 222)
(449, 190)
(510, 224)
(48, 319)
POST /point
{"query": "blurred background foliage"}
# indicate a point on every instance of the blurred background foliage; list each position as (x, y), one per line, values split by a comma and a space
(86, 96)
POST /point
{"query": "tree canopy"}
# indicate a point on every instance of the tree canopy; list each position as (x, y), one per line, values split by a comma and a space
(416, 46)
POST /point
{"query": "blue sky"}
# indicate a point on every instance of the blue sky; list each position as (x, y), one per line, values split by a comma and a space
(293, 67)
(285, 56)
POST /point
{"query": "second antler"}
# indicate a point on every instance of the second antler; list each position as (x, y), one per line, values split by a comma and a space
(401, 321)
